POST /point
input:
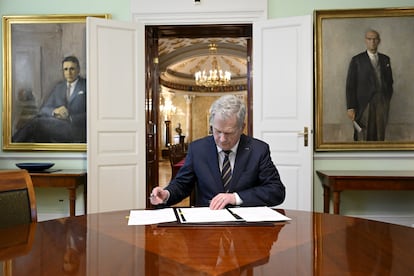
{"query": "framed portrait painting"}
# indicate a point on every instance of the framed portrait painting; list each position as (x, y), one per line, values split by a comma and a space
(44, 82)
(364, 93)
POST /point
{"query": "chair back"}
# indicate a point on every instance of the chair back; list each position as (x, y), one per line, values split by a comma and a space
(16, 241)
(177, 152)
(17, 198)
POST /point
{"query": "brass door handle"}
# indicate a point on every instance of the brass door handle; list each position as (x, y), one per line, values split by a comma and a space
(305, 135)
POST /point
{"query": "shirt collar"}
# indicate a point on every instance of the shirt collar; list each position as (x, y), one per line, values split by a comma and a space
(73, 84)
(233, 149)
(371, 55)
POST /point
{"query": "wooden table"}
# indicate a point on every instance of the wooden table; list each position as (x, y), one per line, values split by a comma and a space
(336, 181)
(69, 179)
(310, 244)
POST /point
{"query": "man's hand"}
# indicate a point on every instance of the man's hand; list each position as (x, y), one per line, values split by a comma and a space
(159, 195)
(220, 201)
(61, 112)
(351, 114)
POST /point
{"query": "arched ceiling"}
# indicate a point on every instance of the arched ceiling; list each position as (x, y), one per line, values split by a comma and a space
(180, 58)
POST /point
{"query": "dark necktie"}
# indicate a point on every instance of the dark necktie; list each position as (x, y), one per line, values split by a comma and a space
(226, 170)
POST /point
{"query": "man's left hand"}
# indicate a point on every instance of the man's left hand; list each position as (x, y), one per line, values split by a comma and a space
(61, 112)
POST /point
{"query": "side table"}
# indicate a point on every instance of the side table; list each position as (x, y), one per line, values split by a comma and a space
(69, 179)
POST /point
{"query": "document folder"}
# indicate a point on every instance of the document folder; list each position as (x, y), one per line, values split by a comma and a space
(204, 216)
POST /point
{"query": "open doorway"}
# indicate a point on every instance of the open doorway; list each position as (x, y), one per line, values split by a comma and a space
(166, 45)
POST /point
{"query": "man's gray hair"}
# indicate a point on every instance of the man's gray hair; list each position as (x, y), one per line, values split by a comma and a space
(372, 31)
(227, 106)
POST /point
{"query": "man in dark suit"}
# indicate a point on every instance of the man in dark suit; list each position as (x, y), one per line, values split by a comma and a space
(369, 88)
(254, 180)
(62, 117)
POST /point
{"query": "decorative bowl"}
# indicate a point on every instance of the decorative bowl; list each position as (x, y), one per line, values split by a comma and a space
(35, 167)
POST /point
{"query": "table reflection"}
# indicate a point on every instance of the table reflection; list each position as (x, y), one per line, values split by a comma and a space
(15, 242)
(218, 249)
(366, 254)
(58, 249)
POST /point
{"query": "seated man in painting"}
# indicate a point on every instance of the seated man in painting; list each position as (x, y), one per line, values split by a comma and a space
(62, 117)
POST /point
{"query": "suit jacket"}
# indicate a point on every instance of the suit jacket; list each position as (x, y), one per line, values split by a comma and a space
(255, 178)
(76, 107)
(361, 81)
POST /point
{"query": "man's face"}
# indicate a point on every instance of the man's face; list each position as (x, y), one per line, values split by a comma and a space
(372, 41)
(226, 131)
(70, 71)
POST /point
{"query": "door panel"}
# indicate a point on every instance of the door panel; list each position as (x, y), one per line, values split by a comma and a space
(282, 101)
(116, 115)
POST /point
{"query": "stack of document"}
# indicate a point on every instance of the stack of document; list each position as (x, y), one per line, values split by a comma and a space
(205, 215)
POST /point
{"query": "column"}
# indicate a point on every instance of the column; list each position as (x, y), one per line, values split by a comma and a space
(167, 133)
(189, 117)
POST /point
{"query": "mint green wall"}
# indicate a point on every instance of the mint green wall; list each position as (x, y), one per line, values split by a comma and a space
(283, 8)
(353, 203)
(118, 8)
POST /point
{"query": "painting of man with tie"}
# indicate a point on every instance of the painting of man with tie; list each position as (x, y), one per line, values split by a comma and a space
(44, 82)
(62, 117)
(369, 88)
(363, 86)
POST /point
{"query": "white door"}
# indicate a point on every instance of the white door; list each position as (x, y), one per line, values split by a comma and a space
(282, 102)
(116, 115)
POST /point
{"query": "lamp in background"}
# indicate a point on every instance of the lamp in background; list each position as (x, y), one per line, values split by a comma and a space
(168, 109)
(213, 76)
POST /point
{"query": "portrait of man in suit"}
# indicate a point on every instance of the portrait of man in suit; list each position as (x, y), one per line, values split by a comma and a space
(62, 116)
(363, 83)
(369, 88)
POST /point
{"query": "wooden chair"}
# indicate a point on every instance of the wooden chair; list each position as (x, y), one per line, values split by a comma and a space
(17, 198)
(177, 153)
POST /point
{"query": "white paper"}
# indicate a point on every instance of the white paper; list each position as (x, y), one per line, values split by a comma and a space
(357, 126)
(204, 214)
(144, 217)
(257, 214)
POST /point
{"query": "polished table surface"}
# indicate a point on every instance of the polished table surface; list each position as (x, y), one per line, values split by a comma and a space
(309, 244)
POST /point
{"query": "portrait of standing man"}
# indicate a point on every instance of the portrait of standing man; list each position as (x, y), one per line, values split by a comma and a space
(369, 88)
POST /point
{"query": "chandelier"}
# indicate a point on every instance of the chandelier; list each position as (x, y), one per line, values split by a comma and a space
(215, 76)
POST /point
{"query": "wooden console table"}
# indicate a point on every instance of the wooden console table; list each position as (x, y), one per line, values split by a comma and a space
(69, 179)
(337, 181)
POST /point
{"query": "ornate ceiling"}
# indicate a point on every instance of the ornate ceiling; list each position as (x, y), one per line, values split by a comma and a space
(180, 58)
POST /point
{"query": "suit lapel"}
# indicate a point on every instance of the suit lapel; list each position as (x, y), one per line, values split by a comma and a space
(213, 162)
(76, 90)
(243, 153)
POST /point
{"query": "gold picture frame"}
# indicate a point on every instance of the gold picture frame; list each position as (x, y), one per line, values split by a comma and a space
(34, 47)
(340, 36)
